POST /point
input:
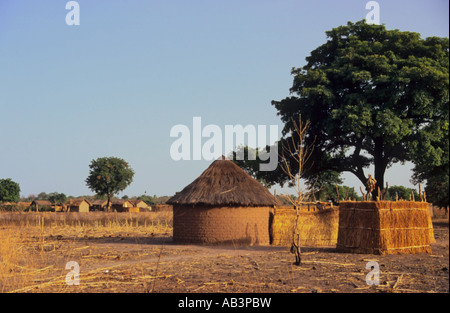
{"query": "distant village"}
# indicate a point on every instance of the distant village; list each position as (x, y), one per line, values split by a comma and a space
(84, 204)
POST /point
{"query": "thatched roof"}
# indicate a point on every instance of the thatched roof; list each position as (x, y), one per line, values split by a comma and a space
(142, 203)
(224, 183)
(41, 202)
(78, 202)
(121, 202)
(99, 202)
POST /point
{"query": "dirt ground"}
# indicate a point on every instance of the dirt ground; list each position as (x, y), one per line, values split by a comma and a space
(139, 262)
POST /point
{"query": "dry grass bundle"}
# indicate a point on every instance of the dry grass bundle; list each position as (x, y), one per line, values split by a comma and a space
(385, 227)
(35, 246)
(19, 261)
(317, 228)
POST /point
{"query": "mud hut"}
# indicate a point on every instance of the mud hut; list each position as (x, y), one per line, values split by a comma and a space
(122, 205)
(224, 205)
(99, 205)
(40, 205)
(78, 205)
(385, 227)
(141, 205)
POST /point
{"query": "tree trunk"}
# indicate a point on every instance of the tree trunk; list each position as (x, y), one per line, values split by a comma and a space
(380, 167)
(360, 174)
(108, 204)
(379, 177)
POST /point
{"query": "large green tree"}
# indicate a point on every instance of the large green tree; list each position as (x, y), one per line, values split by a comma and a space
(108, 176)
(371, 95)
(250, 163)
(432, 162)
(9, 190)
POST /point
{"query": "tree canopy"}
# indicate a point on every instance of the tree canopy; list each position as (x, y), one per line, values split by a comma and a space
(9, 190)
(108, 176)
(372, 96)
(57, 198)
(401, 193)
(431, 162)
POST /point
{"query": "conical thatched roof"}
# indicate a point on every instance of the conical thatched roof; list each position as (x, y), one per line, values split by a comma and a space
(224, 183)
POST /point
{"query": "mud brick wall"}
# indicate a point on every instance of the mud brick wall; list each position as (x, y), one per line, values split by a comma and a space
(222, 225)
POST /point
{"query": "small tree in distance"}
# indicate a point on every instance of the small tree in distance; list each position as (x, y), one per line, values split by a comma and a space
(57, 198)
(109, 176)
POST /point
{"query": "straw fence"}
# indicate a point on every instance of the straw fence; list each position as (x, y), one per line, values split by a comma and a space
(317, 228)
(385, 227)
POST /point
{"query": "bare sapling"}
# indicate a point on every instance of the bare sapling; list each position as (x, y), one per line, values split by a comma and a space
(295, 154)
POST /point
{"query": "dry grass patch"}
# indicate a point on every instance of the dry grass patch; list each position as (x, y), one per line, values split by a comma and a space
(35, 247)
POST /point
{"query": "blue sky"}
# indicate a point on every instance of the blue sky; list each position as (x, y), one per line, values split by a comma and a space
(116, 84)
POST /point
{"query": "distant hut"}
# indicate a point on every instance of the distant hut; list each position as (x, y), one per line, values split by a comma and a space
(141, 205)
(99, 205)
(224, 205)
(78, 205)
(121, 205)
(40, 205)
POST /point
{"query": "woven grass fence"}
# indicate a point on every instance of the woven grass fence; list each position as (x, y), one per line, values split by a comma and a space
(318, 228)
(385, 227)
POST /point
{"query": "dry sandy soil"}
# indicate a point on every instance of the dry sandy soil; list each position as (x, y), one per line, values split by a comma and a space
(143, 262)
